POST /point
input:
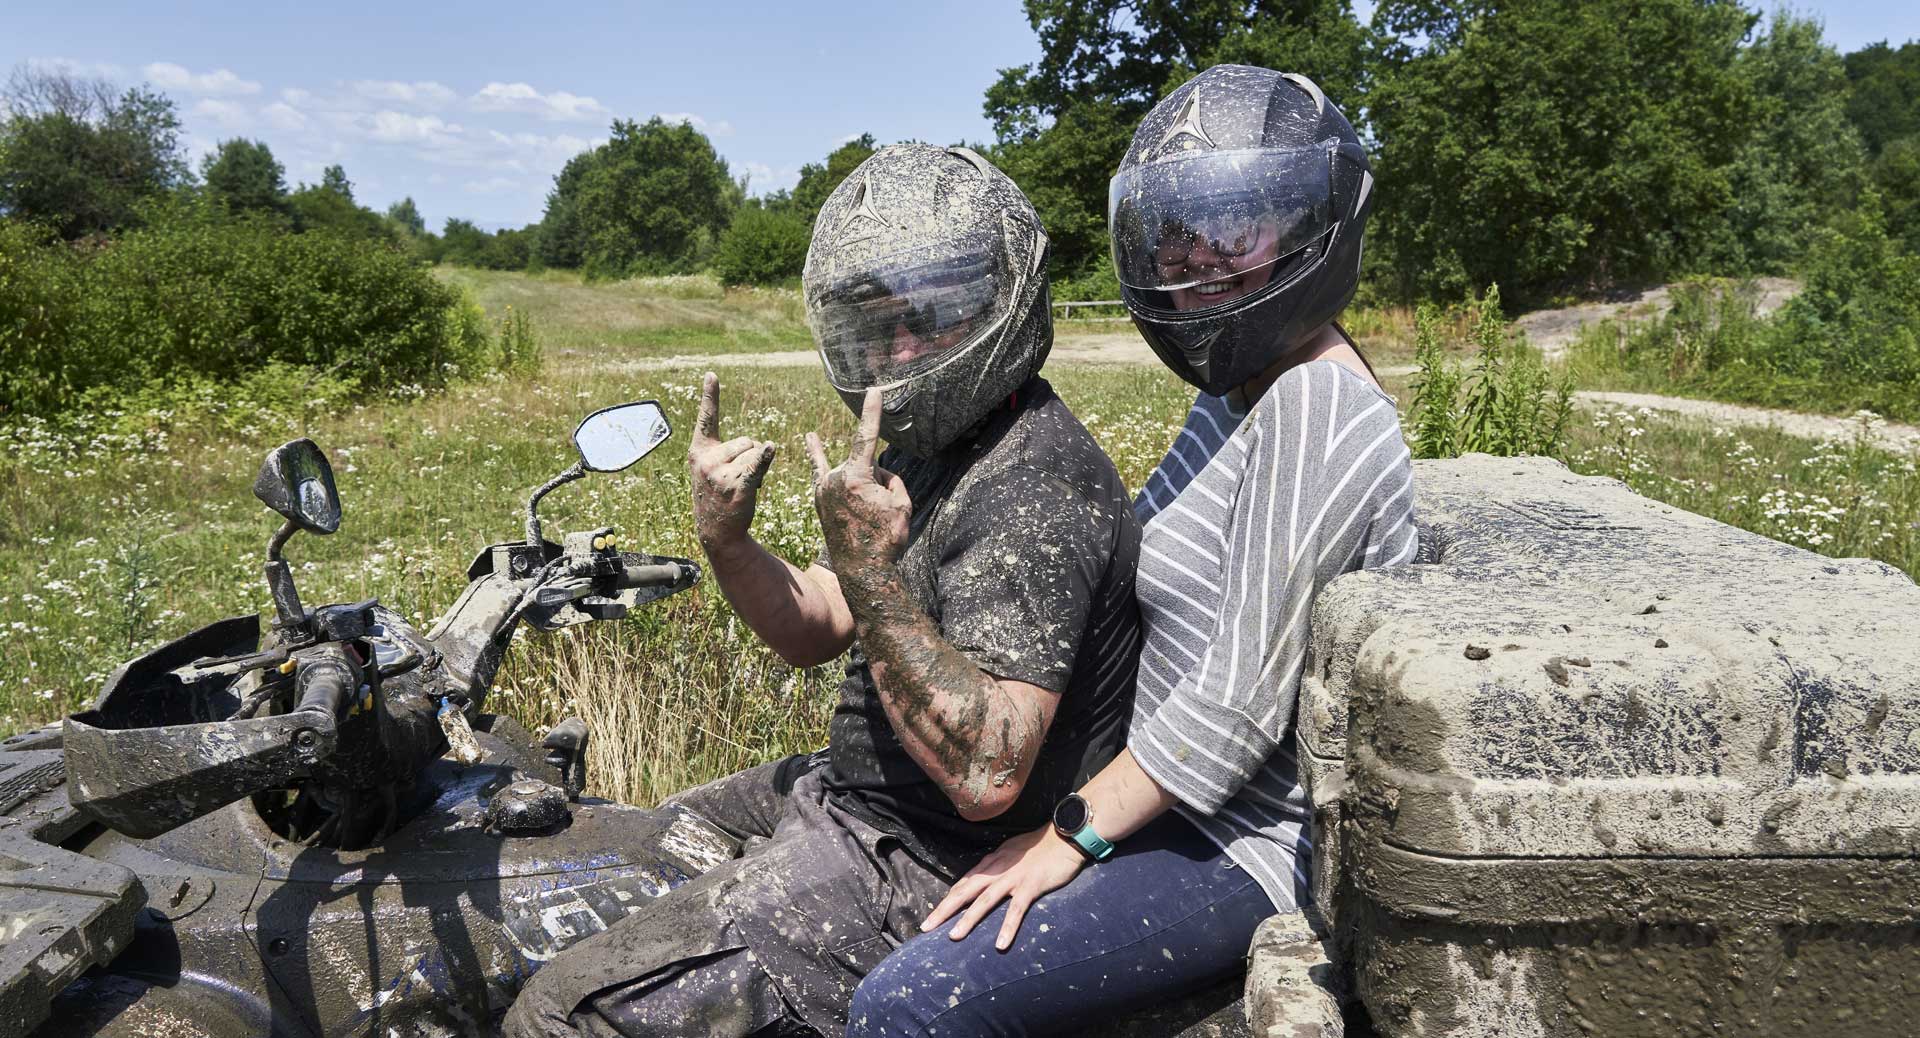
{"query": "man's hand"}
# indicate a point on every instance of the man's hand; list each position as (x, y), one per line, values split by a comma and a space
(864, 509)
(726, 477)
(1019, 872)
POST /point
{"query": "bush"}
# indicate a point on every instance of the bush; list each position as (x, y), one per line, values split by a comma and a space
(1506, 405)
(1849, 341)
(762, 247)
(199, 296)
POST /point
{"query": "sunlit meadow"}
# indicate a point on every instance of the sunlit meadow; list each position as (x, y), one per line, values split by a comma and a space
(118, 531)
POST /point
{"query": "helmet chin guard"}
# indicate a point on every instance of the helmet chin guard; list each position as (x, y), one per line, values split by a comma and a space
(926, 278)
(1236, 218)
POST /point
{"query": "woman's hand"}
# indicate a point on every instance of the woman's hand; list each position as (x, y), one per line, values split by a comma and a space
(1019, 872)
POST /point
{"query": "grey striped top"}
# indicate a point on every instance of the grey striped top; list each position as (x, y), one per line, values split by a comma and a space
(1246, 518)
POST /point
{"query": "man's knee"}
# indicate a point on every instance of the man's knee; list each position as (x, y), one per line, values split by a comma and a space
(544, 1009)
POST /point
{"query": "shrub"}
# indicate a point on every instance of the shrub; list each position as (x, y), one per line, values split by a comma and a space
(762, 247)
(1506, 405)
(199, 296)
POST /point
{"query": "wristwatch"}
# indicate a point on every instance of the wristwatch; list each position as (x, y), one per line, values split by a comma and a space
(1073, 820)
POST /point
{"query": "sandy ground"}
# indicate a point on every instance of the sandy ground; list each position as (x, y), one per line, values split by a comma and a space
(1552, 331)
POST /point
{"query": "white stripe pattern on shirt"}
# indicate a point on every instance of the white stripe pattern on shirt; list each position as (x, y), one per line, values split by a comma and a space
(1318, 483)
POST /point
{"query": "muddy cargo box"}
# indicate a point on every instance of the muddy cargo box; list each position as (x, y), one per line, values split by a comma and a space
(1602, 766)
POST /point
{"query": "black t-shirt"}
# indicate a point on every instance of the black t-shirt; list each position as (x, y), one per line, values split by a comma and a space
(1023, 549)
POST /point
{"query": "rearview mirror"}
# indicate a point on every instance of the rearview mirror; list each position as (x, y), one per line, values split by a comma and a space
(613, 438)
(297, 482)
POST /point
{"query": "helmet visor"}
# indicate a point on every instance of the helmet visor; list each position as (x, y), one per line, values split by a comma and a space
(906, 315)
(1210, 226)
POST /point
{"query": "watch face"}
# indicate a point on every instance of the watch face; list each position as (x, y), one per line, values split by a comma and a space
(1071, 815)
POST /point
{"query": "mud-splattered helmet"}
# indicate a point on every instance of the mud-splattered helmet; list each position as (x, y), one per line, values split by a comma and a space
(927, 277)
(1236, 218)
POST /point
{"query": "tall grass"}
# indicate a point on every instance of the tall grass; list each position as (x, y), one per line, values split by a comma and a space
(1506, 404)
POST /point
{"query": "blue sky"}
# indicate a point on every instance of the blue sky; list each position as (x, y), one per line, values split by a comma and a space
(471, 109)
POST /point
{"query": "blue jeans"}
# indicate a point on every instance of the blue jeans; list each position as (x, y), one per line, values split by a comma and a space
(1168, 914)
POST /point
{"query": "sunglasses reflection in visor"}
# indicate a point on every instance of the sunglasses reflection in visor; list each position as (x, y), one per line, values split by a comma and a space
(884, 329)
(1228, 237)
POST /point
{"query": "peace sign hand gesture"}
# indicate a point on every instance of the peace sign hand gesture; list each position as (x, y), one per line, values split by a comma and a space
(864, 509)
(726, 477)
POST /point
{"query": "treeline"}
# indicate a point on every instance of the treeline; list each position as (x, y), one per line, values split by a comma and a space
(1550, 146)
(657, 199)
(129, 283)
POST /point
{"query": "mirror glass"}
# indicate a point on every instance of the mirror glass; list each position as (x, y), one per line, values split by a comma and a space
(297, 482)
(615, 437)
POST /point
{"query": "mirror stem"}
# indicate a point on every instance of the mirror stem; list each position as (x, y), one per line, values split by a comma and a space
(286, 599)
(578, 470)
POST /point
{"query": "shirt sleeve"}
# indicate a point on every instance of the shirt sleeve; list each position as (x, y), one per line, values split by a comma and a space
(1323, 477)
(1018, 573)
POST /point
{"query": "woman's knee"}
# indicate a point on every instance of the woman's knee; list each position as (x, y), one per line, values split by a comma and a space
(897, 998)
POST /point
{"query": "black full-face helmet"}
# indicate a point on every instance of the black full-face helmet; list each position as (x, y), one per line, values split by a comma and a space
(927, 277)
(1236, 219)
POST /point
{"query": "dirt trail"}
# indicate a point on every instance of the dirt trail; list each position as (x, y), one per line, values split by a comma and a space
(1549, 330)
(1889, 435)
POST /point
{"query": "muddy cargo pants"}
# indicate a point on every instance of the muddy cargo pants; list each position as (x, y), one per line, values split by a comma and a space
(771, 943)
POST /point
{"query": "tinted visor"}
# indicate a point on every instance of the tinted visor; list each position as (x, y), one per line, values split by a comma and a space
(903, 316)
(1209, 216)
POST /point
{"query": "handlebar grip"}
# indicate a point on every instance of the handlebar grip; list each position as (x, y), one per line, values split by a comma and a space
(662, 574)
(325, 686)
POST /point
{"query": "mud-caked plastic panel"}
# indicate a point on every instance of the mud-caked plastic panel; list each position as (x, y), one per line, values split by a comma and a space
(60, 913)
(1616, 766)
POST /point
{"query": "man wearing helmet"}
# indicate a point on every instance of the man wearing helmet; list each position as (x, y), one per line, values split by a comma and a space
(980, 570)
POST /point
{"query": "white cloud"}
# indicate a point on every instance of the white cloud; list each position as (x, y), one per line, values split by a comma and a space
(763, 179)
(424, 94)
(391, 127)
(218, 83)
(522, 98)
(283, 116)
(492, 185)
(227, 114)
(719, 129)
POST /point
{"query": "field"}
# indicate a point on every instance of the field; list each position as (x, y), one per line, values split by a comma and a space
(122, 530)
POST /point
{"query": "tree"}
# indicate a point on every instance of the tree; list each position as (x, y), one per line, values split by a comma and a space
(1885, 100)
(562, 241)
(763, 246)
(244, 176)
(1802, 159)
(80, 156)
(1896, 175)
(1063, 123)
(334, 179)
(406, 216)
(817, 180)
(1556, 144)
(643, 202)
(329, 206)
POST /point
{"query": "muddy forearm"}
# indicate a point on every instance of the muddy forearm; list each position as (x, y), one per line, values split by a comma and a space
(969, 732)
(798, 613)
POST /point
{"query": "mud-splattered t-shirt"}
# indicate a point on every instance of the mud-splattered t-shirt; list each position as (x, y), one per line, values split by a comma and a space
(1023, 550)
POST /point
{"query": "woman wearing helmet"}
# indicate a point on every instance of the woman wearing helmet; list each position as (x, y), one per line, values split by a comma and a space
(1236, 218)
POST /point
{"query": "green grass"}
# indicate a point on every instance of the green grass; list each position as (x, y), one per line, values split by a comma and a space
(127, 530)
(640, 317)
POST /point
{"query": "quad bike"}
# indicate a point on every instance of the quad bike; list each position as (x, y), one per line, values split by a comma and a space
(322, 830)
